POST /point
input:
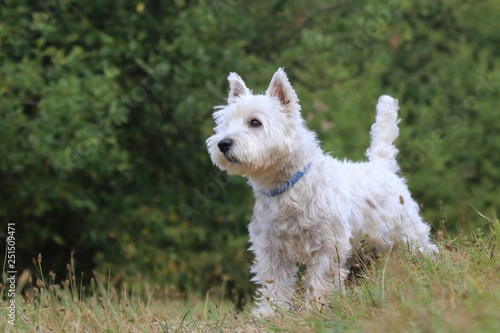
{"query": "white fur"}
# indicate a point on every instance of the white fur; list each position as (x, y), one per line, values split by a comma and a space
(331, 213)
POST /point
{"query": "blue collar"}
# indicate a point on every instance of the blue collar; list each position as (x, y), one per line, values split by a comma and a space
(286, 185)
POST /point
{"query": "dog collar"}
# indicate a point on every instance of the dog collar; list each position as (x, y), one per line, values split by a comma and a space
(286, 185)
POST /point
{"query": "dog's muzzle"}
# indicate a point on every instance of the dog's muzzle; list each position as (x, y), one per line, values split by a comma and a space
(225, 148)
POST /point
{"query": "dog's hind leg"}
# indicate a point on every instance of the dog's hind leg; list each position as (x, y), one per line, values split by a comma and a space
(414, 232)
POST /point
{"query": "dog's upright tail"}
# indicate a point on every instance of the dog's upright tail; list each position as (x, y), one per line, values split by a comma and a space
(383, 133)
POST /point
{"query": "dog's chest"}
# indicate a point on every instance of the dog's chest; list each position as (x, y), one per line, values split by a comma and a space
(298, 243)
(292, 228)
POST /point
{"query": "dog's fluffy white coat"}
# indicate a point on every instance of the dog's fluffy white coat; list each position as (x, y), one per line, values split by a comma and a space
(333, 211)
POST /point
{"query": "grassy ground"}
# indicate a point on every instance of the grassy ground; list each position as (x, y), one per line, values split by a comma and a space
(458, 292)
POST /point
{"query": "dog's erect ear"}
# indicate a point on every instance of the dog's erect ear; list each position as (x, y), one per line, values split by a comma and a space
(280, 87)
(237, 88)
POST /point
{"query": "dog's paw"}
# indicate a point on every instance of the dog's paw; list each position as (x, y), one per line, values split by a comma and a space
(264, 312)
(316, 305)
(431, 251)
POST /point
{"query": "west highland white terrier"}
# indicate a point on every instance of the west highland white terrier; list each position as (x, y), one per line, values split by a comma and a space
(311, 208)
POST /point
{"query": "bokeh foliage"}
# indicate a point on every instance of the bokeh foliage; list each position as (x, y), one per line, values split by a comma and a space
(105, 107)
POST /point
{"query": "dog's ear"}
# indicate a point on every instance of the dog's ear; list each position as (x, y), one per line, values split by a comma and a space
(281, 88)
(237, 88)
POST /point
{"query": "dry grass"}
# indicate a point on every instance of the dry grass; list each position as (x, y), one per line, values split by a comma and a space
(458, 292)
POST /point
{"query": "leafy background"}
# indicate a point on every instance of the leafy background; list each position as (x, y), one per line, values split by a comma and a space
(105, 107)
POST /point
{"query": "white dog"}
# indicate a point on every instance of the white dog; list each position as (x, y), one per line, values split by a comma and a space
(311, 208)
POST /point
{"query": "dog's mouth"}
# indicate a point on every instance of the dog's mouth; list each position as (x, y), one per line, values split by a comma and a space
(231, 159)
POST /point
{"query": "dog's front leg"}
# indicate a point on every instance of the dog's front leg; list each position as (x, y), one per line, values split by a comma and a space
(275, 273)
(326, 274)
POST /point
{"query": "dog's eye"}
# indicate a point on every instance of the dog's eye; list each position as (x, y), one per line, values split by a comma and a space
(255, 123)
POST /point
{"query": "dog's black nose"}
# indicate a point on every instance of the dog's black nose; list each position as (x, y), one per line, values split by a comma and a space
(225, 145)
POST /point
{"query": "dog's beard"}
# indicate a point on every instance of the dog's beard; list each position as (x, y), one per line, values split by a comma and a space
(231, 158)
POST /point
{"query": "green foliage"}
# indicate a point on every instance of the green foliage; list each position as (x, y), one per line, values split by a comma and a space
(105, 108)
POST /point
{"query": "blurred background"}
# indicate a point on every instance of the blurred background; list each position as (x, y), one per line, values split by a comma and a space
(105, 107)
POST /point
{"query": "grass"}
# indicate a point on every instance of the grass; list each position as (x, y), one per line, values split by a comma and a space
(458, 292)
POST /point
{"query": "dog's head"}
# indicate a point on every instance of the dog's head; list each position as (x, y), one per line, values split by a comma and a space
(255, 133)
